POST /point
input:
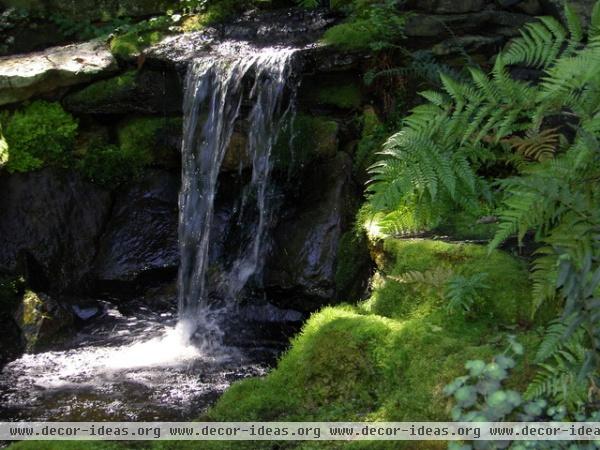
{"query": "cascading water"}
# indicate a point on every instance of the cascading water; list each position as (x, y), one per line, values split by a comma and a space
(216, 89)
(144, 366)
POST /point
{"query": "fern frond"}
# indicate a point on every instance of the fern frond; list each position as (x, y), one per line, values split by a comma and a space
(539, 44)
(536, 146)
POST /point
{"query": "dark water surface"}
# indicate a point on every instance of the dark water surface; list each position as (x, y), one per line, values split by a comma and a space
(126, 367)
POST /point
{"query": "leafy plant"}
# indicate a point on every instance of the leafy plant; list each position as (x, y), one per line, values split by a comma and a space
(370, 25)
(461, 292)
(40, 133)
(548, 134)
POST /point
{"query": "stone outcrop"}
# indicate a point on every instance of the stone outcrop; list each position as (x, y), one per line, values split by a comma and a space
(24, 76)
(49, 226)
(302, 264)
(140, 241)
(146, 91)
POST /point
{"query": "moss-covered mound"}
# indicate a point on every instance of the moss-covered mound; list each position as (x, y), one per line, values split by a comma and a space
(389, 358)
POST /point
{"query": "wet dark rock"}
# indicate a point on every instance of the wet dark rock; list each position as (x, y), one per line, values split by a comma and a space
(49, 226)
(146, 91)
(139, 245)
(582, 7)
(11, 341)
(301, 267)
(470, 44)
(446, 6)
(291, 27)
(444, 25)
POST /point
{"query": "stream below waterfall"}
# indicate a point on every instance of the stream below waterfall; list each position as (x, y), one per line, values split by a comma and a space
(133, 366)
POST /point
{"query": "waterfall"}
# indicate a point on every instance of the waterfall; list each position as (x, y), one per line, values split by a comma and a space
(216, 88)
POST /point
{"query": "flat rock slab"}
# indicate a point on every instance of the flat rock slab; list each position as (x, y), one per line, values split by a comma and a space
(23, 76)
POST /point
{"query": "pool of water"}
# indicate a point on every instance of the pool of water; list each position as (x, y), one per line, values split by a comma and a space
(135, 366)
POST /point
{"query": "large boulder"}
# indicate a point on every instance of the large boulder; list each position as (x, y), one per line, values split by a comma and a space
(49, 226)
(23, 76)
(301, 268)
(140, 241)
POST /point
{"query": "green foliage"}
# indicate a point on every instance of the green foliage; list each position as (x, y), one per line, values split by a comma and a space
(308, 4)
(481, 396)
(132, 43)
(370, 25)
(85, 29)
(558, 379)
(551, 191)
(141, 144)
(104, 91)
(107, 164)
(374, 134)
(10, 289)
(462, 292)
(40, 133)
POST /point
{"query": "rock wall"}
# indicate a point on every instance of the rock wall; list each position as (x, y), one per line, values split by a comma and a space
(67, 236)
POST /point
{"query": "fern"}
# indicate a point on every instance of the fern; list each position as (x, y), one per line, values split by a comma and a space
(536, 145)
(462, 292)
(559, 380)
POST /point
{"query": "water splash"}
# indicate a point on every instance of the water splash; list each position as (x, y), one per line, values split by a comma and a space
(216, 88)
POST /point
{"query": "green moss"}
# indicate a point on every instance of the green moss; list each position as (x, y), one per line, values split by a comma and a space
(313, 138)
(371, 24)
(40, 133)
(143, 139)
(506, 304)
(142, 143)
(388, 358)
(103, 91)
(134, 42)
(465, 225)
(344, 96)
(73, 445)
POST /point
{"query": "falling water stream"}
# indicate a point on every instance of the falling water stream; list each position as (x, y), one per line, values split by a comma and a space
(161, 363)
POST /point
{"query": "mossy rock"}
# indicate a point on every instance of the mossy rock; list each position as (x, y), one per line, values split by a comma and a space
(40, 133)
(389, 358)
(41, 320)
(344, 96)
(145, 92)
(153, 140)
(337, 91)
(308, 138)
(507, 302)
(132, 44)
